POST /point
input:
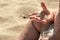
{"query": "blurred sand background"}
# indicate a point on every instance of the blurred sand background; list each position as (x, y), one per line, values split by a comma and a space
(12, 13)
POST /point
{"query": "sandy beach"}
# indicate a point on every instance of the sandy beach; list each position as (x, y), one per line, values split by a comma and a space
(12, 13)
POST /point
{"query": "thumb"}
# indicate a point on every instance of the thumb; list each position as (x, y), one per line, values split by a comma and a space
(44, 7)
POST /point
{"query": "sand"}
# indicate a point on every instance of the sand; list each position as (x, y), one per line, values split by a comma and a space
(12, 13)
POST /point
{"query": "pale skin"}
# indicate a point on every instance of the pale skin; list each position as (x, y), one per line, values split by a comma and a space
(34, 28)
